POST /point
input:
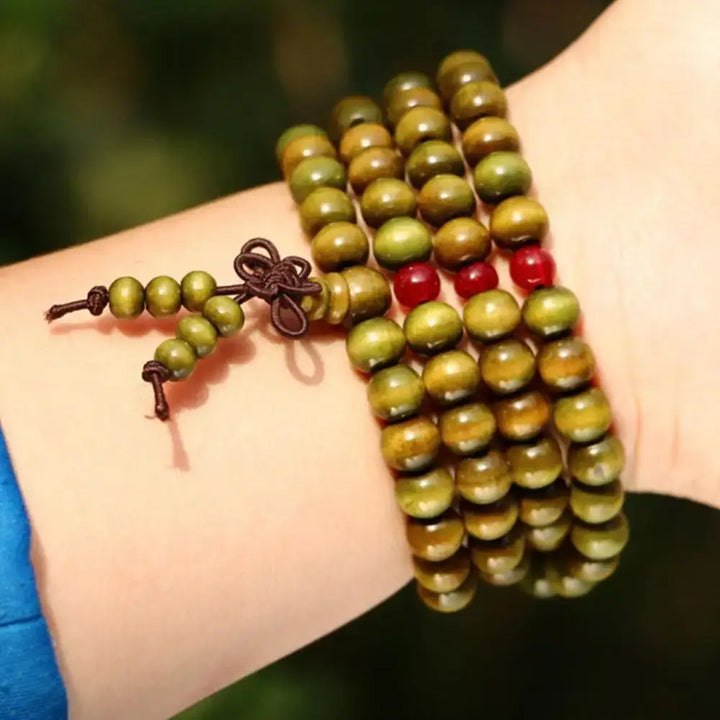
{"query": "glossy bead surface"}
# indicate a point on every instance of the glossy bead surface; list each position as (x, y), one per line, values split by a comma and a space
(522, 417)
(444, 576)
(451, 79)
(339, 302)
(197, 287)
(324, 206)
(199, 333)
(395, 393)
(550, 311)
(426, 495)
(375, 343)
(545, 505)
(596, 504)
(402, 82)
(421, 124)
(177, 356)
(433, 327)
(340, 245)
(126, 298)
(458, 57)
(410, 445)
(498, 556)
(509, 577)
(536, 464)
(435, 539)
(599, 463)
(491, 521)
(566, 364)
(601, 542)
(162, 296)
(316, 306)
(369, 292)
(507, 366)
(416, 283)
(536, 582)
(491, 315)
(480, 277)
(352, 110)
(475, 100)
(316, 172)
(589, 570)
(549, 537)
(453, 601)
(485, 479)
(372, 164)
(501, 175)
(294, 132)
(460, 242)
(225, 314)
(488, 135)
(361, 137)
(532, 267)
(433, 157)
(385, 199)
(451, 377)
(467, 429)
(564, 584)
(583, 417)
(400, 241)
(518, 221)
(305, 147)
(444, 197)
(409, 99)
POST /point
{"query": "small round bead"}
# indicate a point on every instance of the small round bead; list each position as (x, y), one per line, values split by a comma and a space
(407, 100)
(460, 242)
(599, 463)
(372, 164)
(420, 124)
(197, 287)
(410, 445)
(433, 157)
(510, 577)
(369, 292)
(565, 585)
(485, 479)
(445, 197)
(549, 537)
(522, 417)
(401, 83)
(316, 306)
(303, 148)
(589, 570)
(518, 221)
(480, 277)
(583, 417)
(292, 133)
(395, 393)
(339, 298)
(400, 241)
(601, 542)
(416, 283)
(452, 601)
(324, 206)
(433, 327)
(451, 377)
(199, 333)
(535, 465)
(532, 267)
(444, 576)
(491, 315)
(316, 172)
(162, 296)
(467, 429)
(488, 135)
(550, 311)
(507, 366)
(427, 495)
(353, 110)
(566, 364)
(361, 137)
(127, 298)
(340, 245)
(375, 343)
(491, 521)
(225, 314)
(500, 175)
(536, 583)
(177, 356)
(435, 539)
(458, 57)
(451, 79)
(545, 505)
(596, 504)
(475, 100)
(385, 199)
(498, 556)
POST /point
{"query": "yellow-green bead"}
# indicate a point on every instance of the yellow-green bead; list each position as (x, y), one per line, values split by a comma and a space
(340, 245)
(410, 445)
(593, 571)
(549, 537)
(305, 147)
(426, 495)
(536, 464)
(451, 377)
(420, 124)
(485, 479)
(601, 542)
(444, 197)
(402, 82)
(599, 463)
(566, 364)
(488, 135)
(491, 521)
(507, 366)
(551, 311)
(127, 298)
(375, 343)
(522, 417)
(491, 315)
(395, 393)
(467, 429)
(316, 306)
(372, 164)
(458, 57)
(400, 241)
(197, 287)
(408, 99)
(583, 417)
(199, 333)
(369, 292)
(177, 356)
(162, 296)
(316, 172)
(450, 602)
(543, 506)
(475, 100)
(387, 198)
(498, 556)
(361, 137)
(451, 77)
(518, 221)
(292, 133)
(596, 504)
(509, 577)
(444, 576)
(459, 242)
(501, 175)
(225, 314)
(339, 303)
(353, 110)
(433, 327)
(433, 157)
(324, 206)
(435, 539)
(536, 582)
(566, 585)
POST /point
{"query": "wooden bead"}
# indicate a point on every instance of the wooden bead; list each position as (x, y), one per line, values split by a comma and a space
(583, 417)
(433, 327)
(548, 312)
(372, 164)
(453, 601)
(491, 521)
(501, 175)
(199, 333)
(374, 344)
(564, 584)
(488, 135)
(522, 417)
(361, 137)
(420, 124)
(458, 57)
(433, 157)
(352, 110)
(340, 245)
(445, 197)
(225, 314)
(549, 537)
(545, 505)
(292, 133)
(316, 172)
(369, 292)
(435, 539)
(598, 504)
(485, 479)
(126, 298)
(196, 288)
(426, 495)
(518, 221)
(305, 147)
(498, 556)
(491, 315)
(451, 377)
(451, 79)
(178, 357)
(395, 393)
(460, 242)
(599, 463)
(536, 583)
(339, 298)
(566, 364)
(162, 296)
(316, 306)
(475, 100)
(400, 241)
(324, 206)
(509, 577)
(601, 542)
(385, 199)
(536, 464)
(593, 571)
(408, 99)
(507, 366)
(444, 576)
(410, 445)
(467, 429)
(403, 82)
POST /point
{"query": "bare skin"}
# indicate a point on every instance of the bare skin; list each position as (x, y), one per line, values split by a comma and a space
(176, 558)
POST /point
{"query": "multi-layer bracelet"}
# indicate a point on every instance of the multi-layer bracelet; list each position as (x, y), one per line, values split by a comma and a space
(514, 505)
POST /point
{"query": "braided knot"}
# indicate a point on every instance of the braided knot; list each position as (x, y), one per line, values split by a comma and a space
(98, 298)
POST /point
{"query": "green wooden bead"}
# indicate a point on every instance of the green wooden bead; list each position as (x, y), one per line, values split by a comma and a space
(420, 124)
(401, 83)
(596, 504)
(500, 175)
(387, 198)
(545, 505)
(127, 298)
(583, 417)
(550, 311)
(197, 287)
(601, 542)
(564, 584)
(475, 100)
(498, 556)
(199, 333)
(369, 292)
(339, 303)
(491, 521)
(467, 429)
(352, 110)
(444, 576)
(426, 495)
(395, 393)
(294, 132)
(518, 221)
(433, 157)
(303, 148)
(566, 364)
(451, 377)
(316, 172)
(435, 539)
(361, 137)
(400, 241)
(450, 602)
(445, 197)
(177, 356)
(372, 164)
(458, 57)
(433, 327)
(451, 78)
(536, 464)
(317, 305)
(488, 135)
(509, 577)
(599, 463)
(484, 479)
(459, 242)
(225, 314)
(408, 99)
(324, 206)
(522, 417)
(593, 571)
(536, 582)
(162, 296)
(410, 445)
(507, 366)
(340, 245)
(491, 315)
(375, 343)
(549, 537)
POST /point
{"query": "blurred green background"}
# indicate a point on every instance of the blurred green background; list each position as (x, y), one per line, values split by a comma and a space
(116, 113)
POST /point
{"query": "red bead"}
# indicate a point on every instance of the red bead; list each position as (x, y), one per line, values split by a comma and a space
(532, 267)
(416, 283)
(476, 278)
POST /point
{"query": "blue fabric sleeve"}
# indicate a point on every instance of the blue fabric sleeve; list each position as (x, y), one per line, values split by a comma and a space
(30, 684)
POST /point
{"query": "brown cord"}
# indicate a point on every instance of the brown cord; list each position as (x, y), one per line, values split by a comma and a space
(97, 300)
(156, 373)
